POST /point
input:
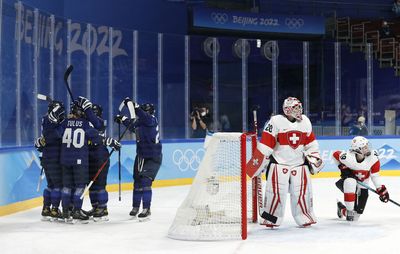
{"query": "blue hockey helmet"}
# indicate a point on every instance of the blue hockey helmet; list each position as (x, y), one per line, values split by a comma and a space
(148, 107)
(98, 110)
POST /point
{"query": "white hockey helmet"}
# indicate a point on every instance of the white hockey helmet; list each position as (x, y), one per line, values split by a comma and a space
(293, 107)
(361, 145)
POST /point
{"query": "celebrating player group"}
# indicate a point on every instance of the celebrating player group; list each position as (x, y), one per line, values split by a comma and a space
(75, 158)
(74, 151)
(289, 153)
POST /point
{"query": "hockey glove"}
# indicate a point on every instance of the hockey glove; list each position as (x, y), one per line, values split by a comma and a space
(120, 119)
(127, 100)
(40, 143)
(114, 144)
(345, 172)
(56, 115)
(84, 103)
(383, 193)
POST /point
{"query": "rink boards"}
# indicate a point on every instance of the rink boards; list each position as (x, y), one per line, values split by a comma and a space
(19, 173)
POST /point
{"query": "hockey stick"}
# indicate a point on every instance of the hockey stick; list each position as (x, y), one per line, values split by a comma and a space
(119, 156)
(43, 97)
(109, 155)
(369, 188)
(41, 177)
(66, 76)
(257, 188)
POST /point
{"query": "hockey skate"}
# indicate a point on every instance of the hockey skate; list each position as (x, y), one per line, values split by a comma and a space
(46, 216)
(144, 215)
(66, 216)
(79, 216)
(100, 214)
(90, 212)
(55, 214)
(134, 212)
(350, 215)
(340, 208)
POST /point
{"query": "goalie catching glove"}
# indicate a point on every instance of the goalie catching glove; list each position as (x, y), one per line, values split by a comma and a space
(315, 161)
(114, 144)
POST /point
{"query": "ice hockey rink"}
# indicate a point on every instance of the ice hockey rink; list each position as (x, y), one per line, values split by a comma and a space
(376, 232)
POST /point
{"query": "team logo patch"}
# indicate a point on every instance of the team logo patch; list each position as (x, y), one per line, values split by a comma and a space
(294, 138)
(285, 170)
(294, 173)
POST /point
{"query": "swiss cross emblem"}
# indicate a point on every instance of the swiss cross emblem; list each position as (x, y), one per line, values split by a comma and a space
(360, 176)
(294, 138)
(285, 170)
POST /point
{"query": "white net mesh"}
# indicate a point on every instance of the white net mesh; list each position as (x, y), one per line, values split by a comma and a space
(212, 210)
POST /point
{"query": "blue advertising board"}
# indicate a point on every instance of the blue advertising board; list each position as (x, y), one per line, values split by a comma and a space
(258, 22)
(181, 159)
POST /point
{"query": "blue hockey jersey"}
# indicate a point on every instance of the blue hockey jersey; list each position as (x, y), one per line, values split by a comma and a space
(77, 135)
(147, 134)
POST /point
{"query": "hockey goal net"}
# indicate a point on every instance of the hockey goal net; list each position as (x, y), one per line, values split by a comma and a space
(220, 202)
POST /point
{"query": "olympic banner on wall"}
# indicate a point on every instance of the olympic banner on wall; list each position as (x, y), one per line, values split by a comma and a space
(258, 22)
(181, 160)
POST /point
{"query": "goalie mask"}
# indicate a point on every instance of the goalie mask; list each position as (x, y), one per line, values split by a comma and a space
(148, 107)
(361, 146)
(292, 107)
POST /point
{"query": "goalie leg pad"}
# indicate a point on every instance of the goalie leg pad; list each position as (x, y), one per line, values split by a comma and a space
(275, 195)
(350, 188)
(301, 196)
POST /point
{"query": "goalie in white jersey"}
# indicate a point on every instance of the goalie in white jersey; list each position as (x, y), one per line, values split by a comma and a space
(359, 163)
(290, 151)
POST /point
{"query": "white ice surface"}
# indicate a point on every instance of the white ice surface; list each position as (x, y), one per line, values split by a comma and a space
(377, 231)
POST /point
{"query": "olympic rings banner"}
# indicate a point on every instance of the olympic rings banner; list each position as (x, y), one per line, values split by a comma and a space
(181, 159)
(254, 22)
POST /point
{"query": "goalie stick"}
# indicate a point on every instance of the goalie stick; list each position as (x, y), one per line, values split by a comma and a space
(374, 191)
(257, 188)
(133, 116)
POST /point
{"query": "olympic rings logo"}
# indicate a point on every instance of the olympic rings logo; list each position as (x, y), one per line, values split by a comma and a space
(188, 159)
(294, 23)
(219, 18)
